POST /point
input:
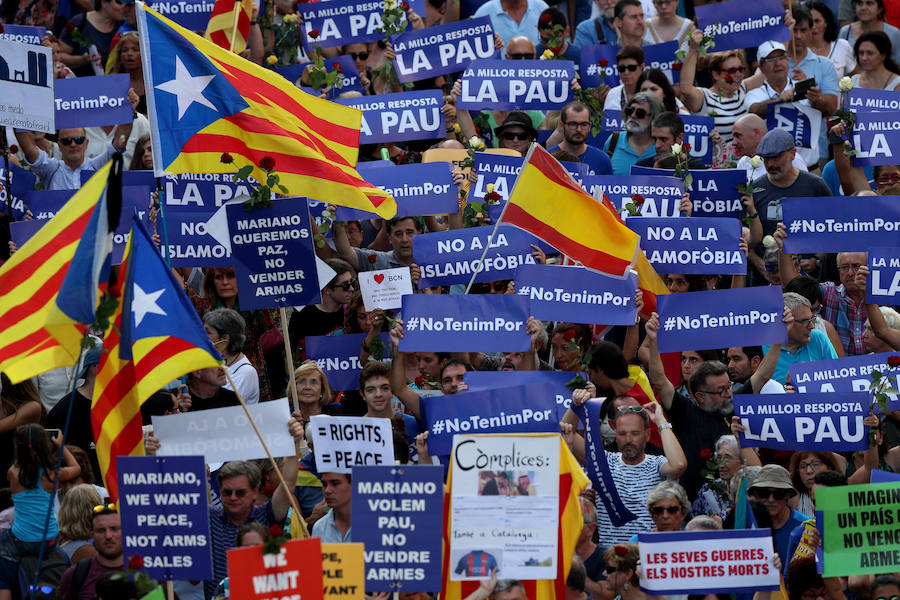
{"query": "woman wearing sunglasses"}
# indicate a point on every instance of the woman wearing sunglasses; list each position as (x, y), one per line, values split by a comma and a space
(621, 572)
(668, 506)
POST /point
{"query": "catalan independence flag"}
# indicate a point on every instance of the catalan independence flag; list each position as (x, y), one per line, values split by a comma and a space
(229, 24)
(205, 101)
(546, 202)
(156, 336)
(30, 282)
(572, 481)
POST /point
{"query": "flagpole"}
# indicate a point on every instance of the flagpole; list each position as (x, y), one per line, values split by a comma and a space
(161, 199)
(234, 27)
(289, 490)
(292, 388)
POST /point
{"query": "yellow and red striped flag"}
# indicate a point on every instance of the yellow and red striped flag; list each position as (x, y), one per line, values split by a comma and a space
(572, 481)
(546, 202)
(229, 24)
(156, 336)
(30, 282)
(205, 101)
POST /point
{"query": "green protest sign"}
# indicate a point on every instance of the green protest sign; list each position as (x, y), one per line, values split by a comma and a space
(861, 525)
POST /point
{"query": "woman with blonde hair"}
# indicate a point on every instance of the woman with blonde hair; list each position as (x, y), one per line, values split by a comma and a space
(75, 521)
(313, 391)
(125, 57)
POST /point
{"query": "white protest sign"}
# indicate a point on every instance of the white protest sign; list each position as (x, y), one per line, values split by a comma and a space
(340, 443)
(26, 87)
(707, 562)
(504, 506)
(385, 289)
(223, 434)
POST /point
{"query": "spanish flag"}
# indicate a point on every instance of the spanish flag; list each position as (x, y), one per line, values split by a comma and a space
(572, 481)
(212, 111)
(30, 283)
(229, 24)
(546, 202)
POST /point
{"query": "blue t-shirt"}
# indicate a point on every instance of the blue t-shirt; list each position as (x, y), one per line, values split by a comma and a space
(818, 348)
(624, 155)
(822, 69)
(782, 535)
(597, 160)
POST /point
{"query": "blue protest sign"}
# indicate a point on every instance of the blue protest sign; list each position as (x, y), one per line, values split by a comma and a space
(516, 85)
(463, 323)
(598, 66)
(862, 99)
(883, 283)
(44, 204)
(703, 245)
(400, 117)
(713, 192)
(92, 101)
(24, 34)
(201, 193)
(190, 244)
(738, 24)
(832, 224)
(721, 319)
(442, 49)
(501, 170)
(418, 189)
(577, 294)
(876, 138)
(845, 375)
(275, 261)
(165, 518)
(597, 466)
(484, 380)
(394, 509)
(696, 133)
(879, 476)
(661, 194)
(190, 14)
(517, 409)
(21, 182)
(344, 22)
(338, 357)
(349, 76)
(448, 257)
(790, 117)
(814, 422)
(138, 177)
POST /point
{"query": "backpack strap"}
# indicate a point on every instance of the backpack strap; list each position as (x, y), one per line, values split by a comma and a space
(613, 142)
(601, 39)
(82, 568)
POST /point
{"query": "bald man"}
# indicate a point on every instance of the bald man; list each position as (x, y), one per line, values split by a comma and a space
(747, 132)
(520, 48)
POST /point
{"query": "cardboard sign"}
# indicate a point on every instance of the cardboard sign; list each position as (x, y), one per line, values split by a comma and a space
(418, 189)
(739, 24)
(21, 182)
(862, 99)
(843, 375)
(295, 572)
(876, 138)
(394, 511)
(701, 245)
(23, 34)
(190, 14)
(662, 195)
(832, 224)
(402, 116)
(165, 516)
(577, 294)
(223, 434)
(343, 571)
(713, 191)
(483, 380)
(442, 49)
(338, 357)
(707, 562)
(345, 22)
(26, 86)
(384, 289)
(883, 282)
(516, 85)
(93, 101)
(344, 442)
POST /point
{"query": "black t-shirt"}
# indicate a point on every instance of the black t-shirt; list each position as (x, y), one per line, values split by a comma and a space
(80, 433)
(595, 565)
(312, 320)
(696, 430)
(768, 201)
(221, 398)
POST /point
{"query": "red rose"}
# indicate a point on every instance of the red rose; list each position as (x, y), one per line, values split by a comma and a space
(677, 66)
(894, 361)
(275, 531)
(637, 199)
(545, 18)
(267, 163)
(336, 66)
(569, 336)
(1, 28)
(314, 34)
(686, 147)
(405, 6)
(226, 158)
(70, 27)
(706, 454)
(729, 78)
(420, 381)
(269, 490)
(556, 50)
(620, 550)
(603, 63)
(493, 196)
(136, 563)
(12, 148)
(373, 259)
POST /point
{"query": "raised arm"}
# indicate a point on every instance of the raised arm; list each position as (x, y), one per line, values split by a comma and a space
(691, 96)
(876, 319)
(281, 500)
(785, 262)
(664, 388)
(26, 143)
(677, 461)
(342, 244)
(853, 179)
(766, 367)
(404, 393)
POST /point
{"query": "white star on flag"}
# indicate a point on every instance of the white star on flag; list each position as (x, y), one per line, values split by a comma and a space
(144, 303)
(187, 88)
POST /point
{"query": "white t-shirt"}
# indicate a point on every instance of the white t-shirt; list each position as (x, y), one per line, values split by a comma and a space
(246, 379)
(841, 54)
(744, 163)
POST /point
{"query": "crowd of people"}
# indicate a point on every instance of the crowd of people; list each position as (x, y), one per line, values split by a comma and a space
(665, 415)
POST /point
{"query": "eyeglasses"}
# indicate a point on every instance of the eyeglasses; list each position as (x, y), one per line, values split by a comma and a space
(610, 569)
(497, 286)
(639, 113)
(359, 55)
(629, 68)
(719, 392)
(658, 510)
(851, 267)
(894, 597)
(805, 322)
(67, 141)
(733, 70)
(522, 56)
(226, 493)
(816, 464)
(628, 410)
(763, 494)
(516, 135)
(346, 286)
(772, 59)
(887, 179)
(577, 125)
(101, 507)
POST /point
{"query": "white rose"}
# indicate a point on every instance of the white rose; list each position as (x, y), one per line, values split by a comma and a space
(475, 142)
(768, 242)
(755, 161)
(676, 149)
(845, 84)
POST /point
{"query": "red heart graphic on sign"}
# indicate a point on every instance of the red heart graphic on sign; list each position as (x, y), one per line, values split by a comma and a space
(379, 278)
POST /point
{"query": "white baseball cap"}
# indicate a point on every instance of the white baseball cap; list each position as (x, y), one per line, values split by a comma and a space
(767, 48)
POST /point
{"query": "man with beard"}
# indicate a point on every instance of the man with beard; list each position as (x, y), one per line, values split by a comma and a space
(750, 370)
(773, 488)
(636, 144)
(400, 231)
(575, 121)
(80, 580)
(805, 343)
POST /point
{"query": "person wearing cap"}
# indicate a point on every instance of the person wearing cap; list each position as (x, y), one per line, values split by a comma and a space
(516, 133)
(80, 429)
(511, 18)
(575, 123)
(772, 487)
(747, 132)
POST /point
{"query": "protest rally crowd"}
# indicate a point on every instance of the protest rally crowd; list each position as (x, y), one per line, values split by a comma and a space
(653, 420)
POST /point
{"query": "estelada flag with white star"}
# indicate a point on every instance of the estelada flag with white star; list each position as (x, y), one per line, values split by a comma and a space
(205, 101)
(155, 337)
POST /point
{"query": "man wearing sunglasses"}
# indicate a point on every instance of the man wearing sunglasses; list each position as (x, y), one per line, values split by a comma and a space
(65, 174)
(327, 316)
(630, 66)
(636, 144)
(772, 487)
(516, 133)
